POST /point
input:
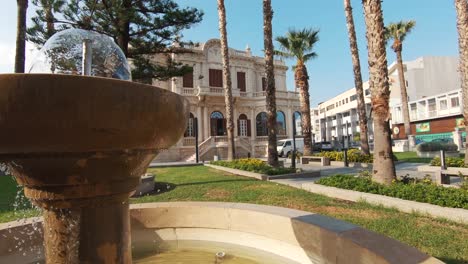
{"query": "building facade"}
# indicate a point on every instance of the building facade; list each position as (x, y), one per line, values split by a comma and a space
(434, 96)
(204, 90)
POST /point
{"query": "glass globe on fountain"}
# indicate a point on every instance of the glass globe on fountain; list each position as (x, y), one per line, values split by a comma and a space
(63, 54)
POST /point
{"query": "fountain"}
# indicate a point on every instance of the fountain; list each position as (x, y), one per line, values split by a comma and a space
(79, 144)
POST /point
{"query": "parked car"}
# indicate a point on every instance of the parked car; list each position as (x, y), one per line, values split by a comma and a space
(323, 146)
(285, 146)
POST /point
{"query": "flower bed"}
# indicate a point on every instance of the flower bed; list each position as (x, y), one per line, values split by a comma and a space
(253, 165)
(450, 162)
(354, 155)
(406, 188)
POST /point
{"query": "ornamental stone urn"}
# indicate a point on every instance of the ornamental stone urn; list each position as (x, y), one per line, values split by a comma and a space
(79, 145)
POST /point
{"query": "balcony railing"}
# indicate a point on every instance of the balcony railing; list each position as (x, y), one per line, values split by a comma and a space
(219, 91)
(189, 91)
(189, 141)
(436, 106)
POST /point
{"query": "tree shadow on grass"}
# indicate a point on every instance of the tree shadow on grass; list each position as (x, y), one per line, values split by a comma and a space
(208, 182)
(453, 261)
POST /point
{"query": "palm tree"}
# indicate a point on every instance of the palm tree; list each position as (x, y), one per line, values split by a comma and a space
(398, 32)
(227, 80)
(299, 44)
(20, 56)
(361, 104)
(384, 168)
(270, 87)
(462, 25)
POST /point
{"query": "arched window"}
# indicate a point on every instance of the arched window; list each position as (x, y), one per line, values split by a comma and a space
(280, 123)
(217, 115)
(190, 131)
(298, 123)
(243, 126)
(261, 124)
(218, 124)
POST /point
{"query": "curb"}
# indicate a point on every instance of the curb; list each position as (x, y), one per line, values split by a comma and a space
(264, 177)
(455, 214)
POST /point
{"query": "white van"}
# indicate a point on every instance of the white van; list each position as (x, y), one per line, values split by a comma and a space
(285, 146)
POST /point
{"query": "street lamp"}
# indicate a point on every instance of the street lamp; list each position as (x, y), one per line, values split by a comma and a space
(293, 155)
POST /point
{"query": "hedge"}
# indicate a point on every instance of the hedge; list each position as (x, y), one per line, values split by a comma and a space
(407, 189)
(354, 155)
(450, 162)
(253, 165)
(436, 146)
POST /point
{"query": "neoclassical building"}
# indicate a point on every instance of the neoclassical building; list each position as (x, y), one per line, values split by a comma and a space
(204, 89)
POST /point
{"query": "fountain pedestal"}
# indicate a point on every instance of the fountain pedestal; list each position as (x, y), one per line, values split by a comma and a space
(78, 145)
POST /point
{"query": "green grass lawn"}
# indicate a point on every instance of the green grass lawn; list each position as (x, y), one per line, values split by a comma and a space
(442, 239)
(411, 156)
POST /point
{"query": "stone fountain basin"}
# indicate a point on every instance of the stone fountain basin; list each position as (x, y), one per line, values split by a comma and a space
(83, 132)
(299, 236)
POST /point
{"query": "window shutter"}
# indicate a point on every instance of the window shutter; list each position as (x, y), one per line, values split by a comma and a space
(187, 80)
(213, 126)
(249, 134)
(238, 128)
(264, 84)
(241, 81)
(216, 78)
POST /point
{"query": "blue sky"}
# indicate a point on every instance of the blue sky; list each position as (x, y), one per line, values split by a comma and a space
(331, 73)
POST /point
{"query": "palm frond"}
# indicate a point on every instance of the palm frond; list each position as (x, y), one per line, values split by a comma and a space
(399, 30)
(299, 43)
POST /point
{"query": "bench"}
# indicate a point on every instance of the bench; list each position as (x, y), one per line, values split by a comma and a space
(324, 161)
(442, 177)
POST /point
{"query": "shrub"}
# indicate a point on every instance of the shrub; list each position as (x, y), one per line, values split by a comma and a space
(354, 155)
(450, 162)
(436, 146)
(405, 188)
(253, 165)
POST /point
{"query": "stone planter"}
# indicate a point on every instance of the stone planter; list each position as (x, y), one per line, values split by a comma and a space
(433, 154)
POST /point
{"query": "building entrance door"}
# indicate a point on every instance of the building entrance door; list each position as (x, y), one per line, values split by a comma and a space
(218, 124)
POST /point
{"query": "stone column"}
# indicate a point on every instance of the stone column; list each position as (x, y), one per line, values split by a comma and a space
(457, 138)
(253, 131)
(201, 134)
(206, 122)
(289, 122)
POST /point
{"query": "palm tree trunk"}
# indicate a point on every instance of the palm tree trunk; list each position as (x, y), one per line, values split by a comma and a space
(227, 80)
(462, 25)
(20, 56)
(302, 82)
(384, 168)
(404, 93)
(270, 89)
(361, 104)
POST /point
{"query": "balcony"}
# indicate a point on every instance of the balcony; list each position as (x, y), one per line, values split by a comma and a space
(441, 105)
(218, 91)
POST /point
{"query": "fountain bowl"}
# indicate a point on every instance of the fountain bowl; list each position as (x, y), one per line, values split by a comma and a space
(79, 145)
(69, 131)
(266, 234)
